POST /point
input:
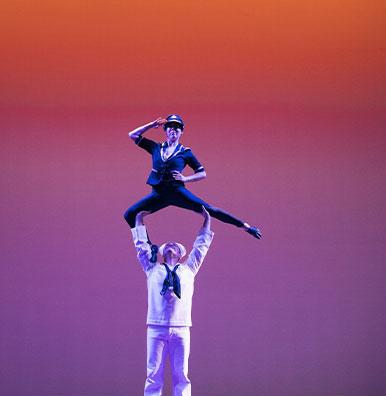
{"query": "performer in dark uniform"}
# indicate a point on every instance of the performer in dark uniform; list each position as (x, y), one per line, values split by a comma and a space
(169, 159)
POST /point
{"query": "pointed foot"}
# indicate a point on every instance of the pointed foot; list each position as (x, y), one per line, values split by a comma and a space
(254, 232)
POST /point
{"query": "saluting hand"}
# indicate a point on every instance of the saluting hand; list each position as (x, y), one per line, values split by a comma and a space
(159, 121)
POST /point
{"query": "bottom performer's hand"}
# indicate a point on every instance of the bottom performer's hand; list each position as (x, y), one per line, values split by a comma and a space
(140, 216)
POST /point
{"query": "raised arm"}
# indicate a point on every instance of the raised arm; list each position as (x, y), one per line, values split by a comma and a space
(201, 244)
(140, 238)
(136, 133)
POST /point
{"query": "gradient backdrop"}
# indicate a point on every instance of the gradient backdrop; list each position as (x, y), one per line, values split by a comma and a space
(285, 106)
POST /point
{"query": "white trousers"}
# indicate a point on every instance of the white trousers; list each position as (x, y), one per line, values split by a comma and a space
(162, 340)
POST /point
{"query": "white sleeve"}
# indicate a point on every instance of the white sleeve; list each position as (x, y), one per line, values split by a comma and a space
(143, 247)
(200, 248)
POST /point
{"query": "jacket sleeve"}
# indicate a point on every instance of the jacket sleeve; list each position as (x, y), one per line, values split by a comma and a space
(146, 144)
(200, 248)
(143, 248)
(193, 162)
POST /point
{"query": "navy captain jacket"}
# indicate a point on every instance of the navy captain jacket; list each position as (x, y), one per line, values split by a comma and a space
(162, 170)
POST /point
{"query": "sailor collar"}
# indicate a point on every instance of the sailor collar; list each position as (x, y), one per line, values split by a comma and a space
(177, 150)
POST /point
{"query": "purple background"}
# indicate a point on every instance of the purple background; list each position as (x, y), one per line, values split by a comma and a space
(299, 312)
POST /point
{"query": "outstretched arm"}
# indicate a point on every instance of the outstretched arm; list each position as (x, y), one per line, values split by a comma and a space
(136, 133)
(201, 244)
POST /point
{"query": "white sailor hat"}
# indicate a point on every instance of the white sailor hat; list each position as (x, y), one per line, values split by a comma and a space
(181, 247)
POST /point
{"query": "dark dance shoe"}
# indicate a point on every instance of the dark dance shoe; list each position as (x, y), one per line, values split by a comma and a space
(254, 231)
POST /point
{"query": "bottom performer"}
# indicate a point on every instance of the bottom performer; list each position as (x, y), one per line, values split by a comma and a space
(170, 289)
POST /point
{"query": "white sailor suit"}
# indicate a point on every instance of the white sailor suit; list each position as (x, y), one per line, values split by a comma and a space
(168, 317)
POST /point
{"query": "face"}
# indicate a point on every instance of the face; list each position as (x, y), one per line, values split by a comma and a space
(173, 131)
(173, 249)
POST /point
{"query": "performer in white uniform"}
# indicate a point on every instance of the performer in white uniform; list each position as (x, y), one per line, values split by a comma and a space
(170, 289)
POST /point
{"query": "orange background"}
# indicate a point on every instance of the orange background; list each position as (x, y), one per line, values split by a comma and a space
(121, 53)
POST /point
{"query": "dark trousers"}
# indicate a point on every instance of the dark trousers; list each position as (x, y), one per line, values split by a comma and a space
(161, 197)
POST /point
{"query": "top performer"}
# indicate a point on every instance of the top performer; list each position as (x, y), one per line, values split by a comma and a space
(166, 179)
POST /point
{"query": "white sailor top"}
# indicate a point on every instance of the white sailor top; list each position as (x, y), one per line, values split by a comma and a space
(169, 310)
